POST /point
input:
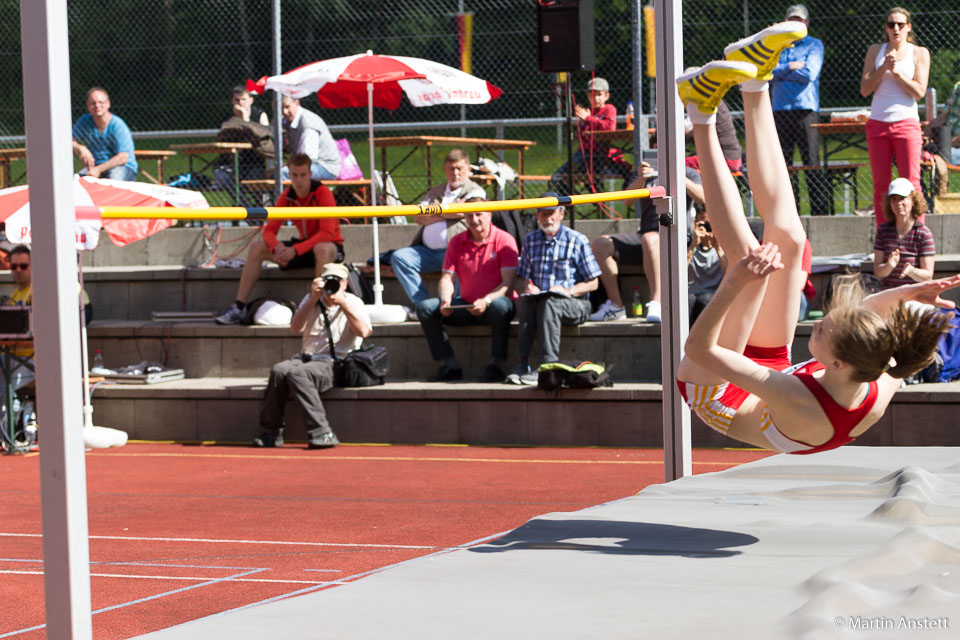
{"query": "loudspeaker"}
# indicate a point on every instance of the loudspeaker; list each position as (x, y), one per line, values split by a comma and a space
(565, 35)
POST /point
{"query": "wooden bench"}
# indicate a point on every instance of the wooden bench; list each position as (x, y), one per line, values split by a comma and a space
(839, 173)
(359, 188)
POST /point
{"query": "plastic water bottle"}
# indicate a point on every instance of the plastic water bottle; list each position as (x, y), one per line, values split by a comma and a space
(630, 115)
(636, 307)
(98, 360)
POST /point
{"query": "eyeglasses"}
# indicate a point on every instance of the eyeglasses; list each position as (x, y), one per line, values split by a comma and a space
(19, 266)
(896, 25)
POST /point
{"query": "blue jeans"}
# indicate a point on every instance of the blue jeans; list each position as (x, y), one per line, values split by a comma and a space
(409, 262)
(123, 172)
(316, 171)
(498, 315)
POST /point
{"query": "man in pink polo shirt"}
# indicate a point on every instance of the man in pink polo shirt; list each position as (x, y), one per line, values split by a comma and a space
(483, 259)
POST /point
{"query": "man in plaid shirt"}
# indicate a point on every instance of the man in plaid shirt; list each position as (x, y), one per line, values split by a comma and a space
(557, 271)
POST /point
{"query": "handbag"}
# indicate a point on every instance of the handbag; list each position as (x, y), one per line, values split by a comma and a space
(363, 367)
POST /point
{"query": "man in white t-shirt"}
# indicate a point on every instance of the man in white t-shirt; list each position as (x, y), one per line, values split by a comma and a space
(425, 254)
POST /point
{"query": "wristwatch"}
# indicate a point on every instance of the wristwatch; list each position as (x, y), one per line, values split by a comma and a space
(487, 300)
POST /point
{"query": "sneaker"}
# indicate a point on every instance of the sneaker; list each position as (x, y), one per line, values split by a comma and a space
(520, 371)
(608, 311)
(493, 373)
(706, 86)
(269, 439)
(530, 378)
(763, 49)
(233, 315)
(326, 440)
(653, 311)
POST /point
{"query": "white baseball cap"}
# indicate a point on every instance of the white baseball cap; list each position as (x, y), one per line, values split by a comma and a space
(900, 187)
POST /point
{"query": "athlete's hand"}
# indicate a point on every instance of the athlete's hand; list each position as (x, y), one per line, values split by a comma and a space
(758, 264)
(929, 292)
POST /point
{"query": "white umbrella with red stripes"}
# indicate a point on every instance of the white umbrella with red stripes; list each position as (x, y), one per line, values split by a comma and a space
(97, 192)
(379, 80)
(89, 193)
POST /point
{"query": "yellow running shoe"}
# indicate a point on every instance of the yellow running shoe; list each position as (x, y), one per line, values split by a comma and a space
(706, 86)
(763, 49)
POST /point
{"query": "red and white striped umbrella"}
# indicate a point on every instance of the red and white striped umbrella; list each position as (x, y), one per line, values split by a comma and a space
(96, 192)
(342, 82)
(379, 81)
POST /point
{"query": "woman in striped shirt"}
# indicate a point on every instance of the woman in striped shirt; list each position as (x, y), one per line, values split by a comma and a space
(903, 252)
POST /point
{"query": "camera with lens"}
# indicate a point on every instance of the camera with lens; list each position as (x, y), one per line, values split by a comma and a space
(706, 226)
(331, 284)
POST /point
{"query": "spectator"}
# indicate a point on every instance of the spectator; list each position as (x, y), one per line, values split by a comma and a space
(727, 132)
(483, 260)
(795, 94)
(642, 247)
(903, 252)
(319, 240)
(950, 118)
(593, 156)
(895, 72)
(103, 141)
(557, 270)
(307, 133)
(5, 247)
(22, 372)
(250, 163)
(309, 373)
(425, 253)
(706, 265)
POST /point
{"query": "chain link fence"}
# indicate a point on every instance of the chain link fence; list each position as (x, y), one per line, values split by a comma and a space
(169, 65)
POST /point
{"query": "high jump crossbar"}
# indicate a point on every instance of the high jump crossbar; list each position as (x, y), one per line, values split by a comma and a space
(302, 213)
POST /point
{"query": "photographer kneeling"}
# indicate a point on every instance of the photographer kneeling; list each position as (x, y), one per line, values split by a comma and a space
(310, 372)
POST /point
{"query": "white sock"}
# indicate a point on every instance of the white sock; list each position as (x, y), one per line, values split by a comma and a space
(698, 117)
(754, 86)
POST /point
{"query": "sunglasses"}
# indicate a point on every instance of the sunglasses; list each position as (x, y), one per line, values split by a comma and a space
(19, 266)
(896, 25)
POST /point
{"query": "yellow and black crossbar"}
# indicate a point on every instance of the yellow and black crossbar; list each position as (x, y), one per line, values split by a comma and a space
(301, 213)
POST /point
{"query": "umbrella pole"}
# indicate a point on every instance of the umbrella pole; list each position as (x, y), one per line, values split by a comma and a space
(93, 437)
(377, 286)
(84, 352)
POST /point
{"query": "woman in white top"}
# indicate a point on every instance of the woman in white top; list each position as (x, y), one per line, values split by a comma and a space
(896, 73)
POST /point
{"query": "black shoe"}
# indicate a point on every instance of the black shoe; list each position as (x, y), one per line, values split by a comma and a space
(493, 373)
(446, 374)
(323, 441)
(269, 439)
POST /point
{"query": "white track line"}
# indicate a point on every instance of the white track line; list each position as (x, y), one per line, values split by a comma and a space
(263, 542)
(199, 578)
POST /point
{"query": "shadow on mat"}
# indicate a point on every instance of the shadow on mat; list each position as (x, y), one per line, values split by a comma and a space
(623, 538)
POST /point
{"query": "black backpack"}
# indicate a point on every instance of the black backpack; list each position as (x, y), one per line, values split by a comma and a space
(358, 285)
(516, 223)
(555, 376)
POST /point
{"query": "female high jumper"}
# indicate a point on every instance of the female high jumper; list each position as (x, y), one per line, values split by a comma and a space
(736, 374)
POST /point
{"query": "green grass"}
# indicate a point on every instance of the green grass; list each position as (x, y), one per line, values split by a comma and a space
(543, 158)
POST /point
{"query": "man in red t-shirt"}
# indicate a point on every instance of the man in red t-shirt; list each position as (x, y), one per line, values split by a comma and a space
(483, 259)
(594, 156)
(319, 241)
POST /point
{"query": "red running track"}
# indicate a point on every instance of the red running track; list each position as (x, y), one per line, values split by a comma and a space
(182, 532)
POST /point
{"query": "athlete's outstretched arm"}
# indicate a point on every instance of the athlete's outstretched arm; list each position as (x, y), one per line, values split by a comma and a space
(928, 292)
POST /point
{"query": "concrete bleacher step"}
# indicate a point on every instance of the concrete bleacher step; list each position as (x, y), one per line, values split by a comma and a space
(627, 414)
(205, 349)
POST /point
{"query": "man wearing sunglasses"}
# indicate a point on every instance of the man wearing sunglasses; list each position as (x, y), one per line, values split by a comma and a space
(22, 373)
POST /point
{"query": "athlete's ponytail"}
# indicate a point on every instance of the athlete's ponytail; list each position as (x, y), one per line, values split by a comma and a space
(868, 341)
